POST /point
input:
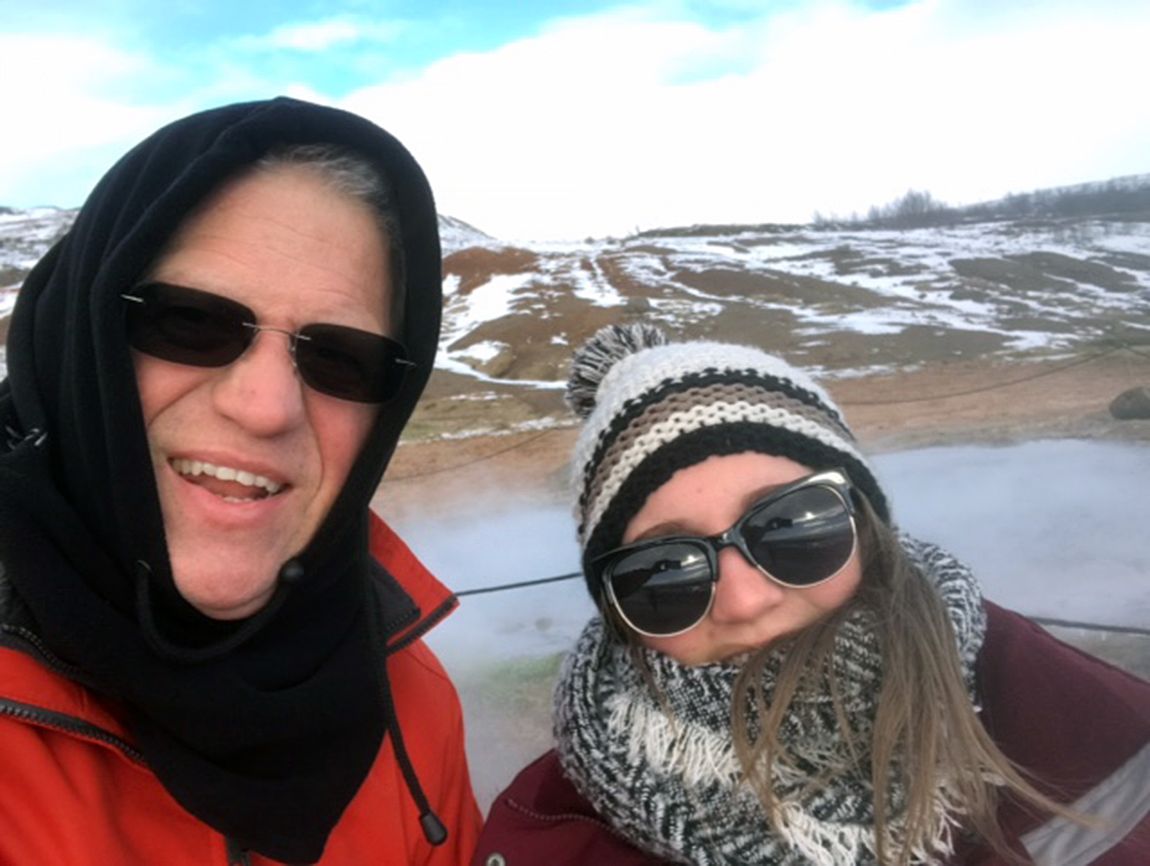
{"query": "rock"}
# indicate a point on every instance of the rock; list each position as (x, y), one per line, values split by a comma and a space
(496, 365)
(1134, 403)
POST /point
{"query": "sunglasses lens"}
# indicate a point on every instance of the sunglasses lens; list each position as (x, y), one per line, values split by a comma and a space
(802, 537)
(186, 326)
(663, 589)
(350, 363)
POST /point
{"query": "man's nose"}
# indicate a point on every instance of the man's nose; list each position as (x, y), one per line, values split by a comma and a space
(261, 390)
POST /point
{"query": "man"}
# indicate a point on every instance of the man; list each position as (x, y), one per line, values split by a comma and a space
(200, 659)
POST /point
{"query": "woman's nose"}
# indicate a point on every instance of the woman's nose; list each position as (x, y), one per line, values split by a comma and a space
(743, 593)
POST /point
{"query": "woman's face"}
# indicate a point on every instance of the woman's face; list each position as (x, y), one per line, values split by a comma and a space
(749, 610)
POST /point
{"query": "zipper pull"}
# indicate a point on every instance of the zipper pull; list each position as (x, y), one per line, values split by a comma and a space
(237, 856)
(15, 438)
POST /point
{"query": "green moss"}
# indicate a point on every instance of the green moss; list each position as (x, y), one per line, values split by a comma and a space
(516, 685)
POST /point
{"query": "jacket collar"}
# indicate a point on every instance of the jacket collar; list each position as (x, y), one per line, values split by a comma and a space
(419, 597)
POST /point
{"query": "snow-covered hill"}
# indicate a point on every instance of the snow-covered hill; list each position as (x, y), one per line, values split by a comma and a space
(844, 301)
(25, 235)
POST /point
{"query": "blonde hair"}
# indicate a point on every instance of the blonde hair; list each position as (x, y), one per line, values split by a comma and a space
(925, 731)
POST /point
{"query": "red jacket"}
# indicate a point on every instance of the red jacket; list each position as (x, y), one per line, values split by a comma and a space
(1081, 726)
(73, 790)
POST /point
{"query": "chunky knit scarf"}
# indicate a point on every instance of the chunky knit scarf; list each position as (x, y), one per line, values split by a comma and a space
(672, 784)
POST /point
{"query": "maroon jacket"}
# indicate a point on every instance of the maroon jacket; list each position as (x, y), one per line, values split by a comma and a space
(1079, 725)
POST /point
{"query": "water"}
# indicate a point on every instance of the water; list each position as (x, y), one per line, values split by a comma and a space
(502, 544)
(1052, 528)
(1057, 529)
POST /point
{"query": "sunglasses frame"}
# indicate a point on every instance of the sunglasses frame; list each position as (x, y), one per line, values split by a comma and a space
(247, 318)
(835, 479)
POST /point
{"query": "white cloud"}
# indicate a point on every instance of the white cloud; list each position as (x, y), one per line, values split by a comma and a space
(54, 86)
(315, 36)
(639, 117)
(64, 123)
(604, 123)
(74, 106)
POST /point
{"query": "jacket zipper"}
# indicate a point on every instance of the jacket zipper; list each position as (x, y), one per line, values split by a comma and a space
(237, 856)
(61, 721)
(45, 655)
(69, 725)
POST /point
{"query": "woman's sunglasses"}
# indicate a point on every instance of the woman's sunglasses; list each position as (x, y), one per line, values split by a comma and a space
(188, 326)
(799, 536)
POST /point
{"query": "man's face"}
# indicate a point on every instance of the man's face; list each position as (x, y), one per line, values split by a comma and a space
(285, 245)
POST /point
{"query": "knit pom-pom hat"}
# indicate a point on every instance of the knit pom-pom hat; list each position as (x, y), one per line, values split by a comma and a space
(651, 408)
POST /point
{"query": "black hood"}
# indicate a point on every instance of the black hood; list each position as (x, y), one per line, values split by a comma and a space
(81, 533)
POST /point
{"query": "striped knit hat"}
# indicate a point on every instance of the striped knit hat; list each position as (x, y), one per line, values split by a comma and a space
(651, 408)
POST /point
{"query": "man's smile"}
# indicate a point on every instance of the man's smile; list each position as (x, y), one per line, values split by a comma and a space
(227, 482)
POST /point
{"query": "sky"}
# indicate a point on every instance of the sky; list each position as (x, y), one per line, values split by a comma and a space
(571, 119)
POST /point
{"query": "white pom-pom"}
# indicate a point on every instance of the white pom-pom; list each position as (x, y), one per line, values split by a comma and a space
(599, 354)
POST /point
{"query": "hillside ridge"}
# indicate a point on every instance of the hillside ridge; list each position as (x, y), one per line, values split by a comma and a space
(845, 301)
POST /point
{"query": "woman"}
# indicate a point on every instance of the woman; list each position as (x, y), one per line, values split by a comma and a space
(777, 675)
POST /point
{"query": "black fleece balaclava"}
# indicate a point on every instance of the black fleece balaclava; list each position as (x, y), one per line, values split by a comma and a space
(265, 728)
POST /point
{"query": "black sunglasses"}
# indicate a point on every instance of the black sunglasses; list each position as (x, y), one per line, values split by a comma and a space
(189, 326)
(799, 536)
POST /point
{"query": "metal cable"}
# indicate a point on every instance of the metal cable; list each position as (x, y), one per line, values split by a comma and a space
(1041, 620)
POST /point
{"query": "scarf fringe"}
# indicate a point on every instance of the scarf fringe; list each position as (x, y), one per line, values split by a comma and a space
(824, 843)
(697, 754)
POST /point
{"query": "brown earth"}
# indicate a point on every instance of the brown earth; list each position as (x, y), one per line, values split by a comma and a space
(945, 403)
(476, 265)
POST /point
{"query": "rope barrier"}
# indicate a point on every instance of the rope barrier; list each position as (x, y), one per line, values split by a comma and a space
(479, 459)
(1119, 346)
(519, 584)
(1041, 620)
(1091, 626)
(1131, 349)
(982, 389)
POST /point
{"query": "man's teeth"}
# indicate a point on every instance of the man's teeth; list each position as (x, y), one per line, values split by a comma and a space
(226, 473)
